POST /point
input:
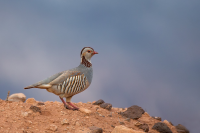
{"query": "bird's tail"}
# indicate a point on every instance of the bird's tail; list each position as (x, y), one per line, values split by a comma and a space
(29, 87)
(42, 86)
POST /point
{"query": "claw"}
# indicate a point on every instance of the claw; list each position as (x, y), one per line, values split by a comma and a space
(67, 107)
(74, 107)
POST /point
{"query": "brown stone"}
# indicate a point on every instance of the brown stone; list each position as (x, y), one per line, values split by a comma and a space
(31, 101)
(100, 101)
(40, 103)
(133, 112)
(157, 118)
(161, 127)
(107, 106)
(96, 129)
(144, 127)
(65, 122)
(182, 129)
(35, 109)
(86, 111)
(53, 127)
(167, 123)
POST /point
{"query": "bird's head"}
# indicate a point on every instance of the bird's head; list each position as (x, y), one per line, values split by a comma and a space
(86, 55)
(88, 52)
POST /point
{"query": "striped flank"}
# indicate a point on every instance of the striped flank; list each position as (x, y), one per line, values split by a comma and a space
(73, 85)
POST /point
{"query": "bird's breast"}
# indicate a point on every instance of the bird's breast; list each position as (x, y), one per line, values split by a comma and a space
(70, 86)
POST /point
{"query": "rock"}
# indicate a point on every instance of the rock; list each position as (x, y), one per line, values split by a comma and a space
(100, 101)
(121, 123)
(77, 123)
(17, 97)
(96, 129)
(127, 119)
(86, 111)
(167, 123)
(40, 103)
(97, 108)
(53, 127)
(123, 129)
(137, 124)
(146, 114)
(31, 101)
(144, 127)
(110, 115)
(101, 115)
(35, 109)
(133, 112)
(24, 114)
(157, 118)
(171, 123)
(182, 129)
(161, 127)
(107, 106)
(65, 122)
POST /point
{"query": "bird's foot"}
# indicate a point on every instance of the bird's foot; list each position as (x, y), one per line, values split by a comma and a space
(74, 107)
(67, 107)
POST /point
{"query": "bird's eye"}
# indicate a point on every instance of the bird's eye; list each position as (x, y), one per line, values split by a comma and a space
(89, 51)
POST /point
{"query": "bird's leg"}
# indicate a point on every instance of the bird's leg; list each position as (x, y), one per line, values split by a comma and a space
(75, 108)
(65, 104)
(68, 100)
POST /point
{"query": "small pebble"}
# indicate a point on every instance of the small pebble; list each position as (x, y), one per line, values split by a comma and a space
(100, 101)
(121, 123)
(127, 119)
(96, 129)
(35, 109)
(110, 115)
(40, 103)
(64, 121)
(53, 127)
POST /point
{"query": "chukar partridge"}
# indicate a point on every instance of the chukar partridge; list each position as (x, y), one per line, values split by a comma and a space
(71, 82)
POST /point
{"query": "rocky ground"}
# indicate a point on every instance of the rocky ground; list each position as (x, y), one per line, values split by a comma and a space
(48, 117)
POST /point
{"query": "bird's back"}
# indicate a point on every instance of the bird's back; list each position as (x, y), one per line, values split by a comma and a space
(67, 83)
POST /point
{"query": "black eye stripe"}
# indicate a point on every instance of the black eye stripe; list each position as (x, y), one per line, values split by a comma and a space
(84, 48)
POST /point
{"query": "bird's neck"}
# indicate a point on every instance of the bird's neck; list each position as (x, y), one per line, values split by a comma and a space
(86, 62)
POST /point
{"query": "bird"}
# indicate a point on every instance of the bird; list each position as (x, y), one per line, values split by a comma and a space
(68, 83)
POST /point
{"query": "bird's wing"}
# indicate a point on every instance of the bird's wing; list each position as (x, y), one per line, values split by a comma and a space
(44, 82)
(65, 76)
(55, 79)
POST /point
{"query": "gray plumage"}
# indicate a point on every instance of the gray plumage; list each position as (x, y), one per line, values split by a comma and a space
(67, 83)
(70, 82)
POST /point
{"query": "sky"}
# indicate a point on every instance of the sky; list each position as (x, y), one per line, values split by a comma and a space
(149, 52)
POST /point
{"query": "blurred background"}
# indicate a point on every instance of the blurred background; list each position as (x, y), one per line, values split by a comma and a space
(149, 52)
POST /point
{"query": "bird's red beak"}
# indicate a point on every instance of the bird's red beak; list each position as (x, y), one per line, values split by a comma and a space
(95, 52)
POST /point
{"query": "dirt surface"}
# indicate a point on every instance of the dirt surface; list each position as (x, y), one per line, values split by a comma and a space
(48, 117)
